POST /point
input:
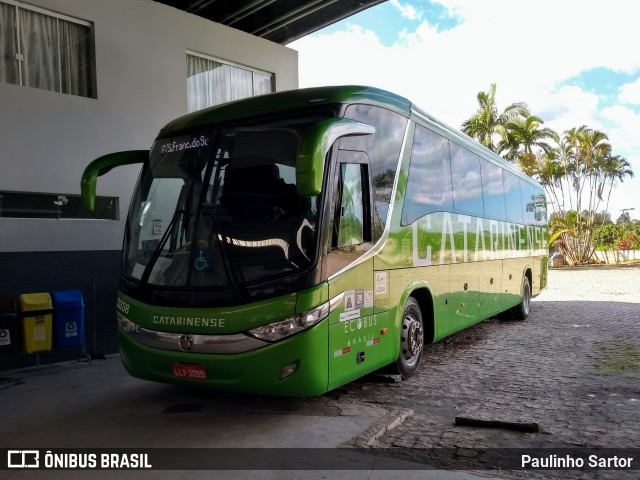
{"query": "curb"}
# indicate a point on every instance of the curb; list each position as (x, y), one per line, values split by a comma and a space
(367, 439)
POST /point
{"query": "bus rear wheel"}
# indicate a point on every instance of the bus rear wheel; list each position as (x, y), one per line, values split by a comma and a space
(411, 339)
(521, 312)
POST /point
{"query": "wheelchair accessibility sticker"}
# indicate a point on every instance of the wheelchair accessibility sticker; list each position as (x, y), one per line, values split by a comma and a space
(203, 261)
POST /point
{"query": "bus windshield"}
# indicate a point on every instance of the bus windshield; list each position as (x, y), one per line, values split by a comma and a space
(219, 209)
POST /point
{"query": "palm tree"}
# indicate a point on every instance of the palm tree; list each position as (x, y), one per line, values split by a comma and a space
(586, 151)
(487, 124)
(523, 136)
(614, 168)
(550, 171)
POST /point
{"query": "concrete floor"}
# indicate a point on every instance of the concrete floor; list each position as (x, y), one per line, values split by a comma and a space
(99, 406)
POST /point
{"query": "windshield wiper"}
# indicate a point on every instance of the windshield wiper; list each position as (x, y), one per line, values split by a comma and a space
(144, 279)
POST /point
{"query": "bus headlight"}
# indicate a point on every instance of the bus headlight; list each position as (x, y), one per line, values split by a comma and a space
(285, 328)
(126, 325)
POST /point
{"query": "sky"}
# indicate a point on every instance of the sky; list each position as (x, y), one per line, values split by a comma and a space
(574, 62)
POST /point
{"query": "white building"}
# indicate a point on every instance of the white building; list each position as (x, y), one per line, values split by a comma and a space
(82, 78)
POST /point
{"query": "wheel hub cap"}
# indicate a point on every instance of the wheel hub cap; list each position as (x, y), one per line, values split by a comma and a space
(412, 338)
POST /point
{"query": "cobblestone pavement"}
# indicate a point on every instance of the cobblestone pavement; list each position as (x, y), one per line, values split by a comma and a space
(573, 367)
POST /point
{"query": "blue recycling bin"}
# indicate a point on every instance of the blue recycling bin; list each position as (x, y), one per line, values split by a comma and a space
(68, 316)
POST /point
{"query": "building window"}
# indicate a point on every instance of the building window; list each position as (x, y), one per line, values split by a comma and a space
(54, 205)
(46, 50)
(211, 82)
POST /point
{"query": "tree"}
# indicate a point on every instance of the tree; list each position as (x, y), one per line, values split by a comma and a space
(602, 218)
(628, 240)
(523, 137)
(614, 168)
(550, 172)
(623, 218)
(487, 125)
(587, 149)
(583, 152)
(577, 170)
(605, 237)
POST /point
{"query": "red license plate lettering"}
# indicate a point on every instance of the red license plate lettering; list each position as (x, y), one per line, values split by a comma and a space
(190, 372)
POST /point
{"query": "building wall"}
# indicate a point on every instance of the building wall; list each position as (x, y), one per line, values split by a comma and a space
(46, 138)
(617, 256)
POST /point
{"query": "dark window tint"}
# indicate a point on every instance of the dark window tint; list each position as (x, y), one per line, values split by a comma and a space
(429, 181)
(512, 197)
(466, 179)
(492, 190)
(54, 205)
(383, 148)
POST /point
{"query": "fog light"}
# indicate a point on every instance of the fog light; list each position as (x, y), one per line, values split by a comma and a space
(287, 370)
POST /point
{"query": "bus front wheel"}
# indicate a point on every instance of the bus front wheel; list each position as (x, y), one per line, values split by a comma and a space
(411, 339)
(521, 312)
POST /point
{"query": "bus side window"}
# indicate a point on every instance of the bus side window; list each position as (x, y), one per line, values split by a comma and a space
(466, 179)
(528, 202)
(492, 190)
(429, 186)
(350, 218)
(512, 197)
(383, 150)
(540, 203)
(351, 213)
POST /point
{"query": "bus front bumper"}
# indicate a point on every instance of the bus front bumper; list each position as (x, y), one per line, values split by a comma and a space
(296, 366)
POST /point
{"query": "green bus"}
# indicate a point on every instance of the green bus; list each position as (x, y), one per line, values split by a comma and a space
(289, 243)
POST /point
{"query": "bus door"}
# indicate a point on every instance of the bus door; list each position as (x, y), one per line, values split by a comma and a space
(349, 267)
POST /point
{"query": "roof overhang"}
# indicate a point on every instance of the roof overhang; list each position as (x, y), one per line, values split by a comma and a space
(281, 21)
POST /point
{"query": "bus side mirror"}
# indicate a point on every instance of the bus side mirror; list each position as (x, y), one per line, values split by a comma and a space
(313, 148)
(102, 165)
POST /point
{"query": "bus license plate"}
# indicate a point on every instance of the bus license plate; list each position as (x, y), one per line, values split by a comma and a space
(190, 372)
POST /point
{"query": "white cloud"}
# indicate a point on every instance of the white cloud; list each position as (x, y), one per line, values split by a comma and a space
(568, 107)
(406, 10)
(622, 130)
(529, 49)
(630, 93)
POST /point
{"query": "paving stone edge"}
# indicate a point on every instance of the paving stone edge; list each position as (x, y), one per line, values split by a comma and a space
(367, 439)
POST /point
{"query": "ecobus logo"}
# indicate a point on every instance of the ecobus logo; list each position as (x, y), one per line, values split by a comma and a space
(23, 459)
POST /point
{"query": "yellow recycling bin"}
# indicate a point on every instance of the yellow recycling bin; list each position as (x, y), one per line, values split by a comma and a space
(36, 311)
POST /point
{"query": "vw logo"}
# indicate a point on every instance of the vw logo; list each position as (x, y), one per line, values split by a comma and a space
(185, 343)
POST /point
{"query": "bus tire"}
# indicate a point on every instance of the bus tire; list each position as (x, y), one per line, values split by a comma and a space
(521, 312)
(411, 339)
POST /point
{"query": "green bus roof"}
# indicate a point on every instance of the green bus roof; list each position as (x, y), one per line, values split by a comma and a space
(331, 95)
(288, 100)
